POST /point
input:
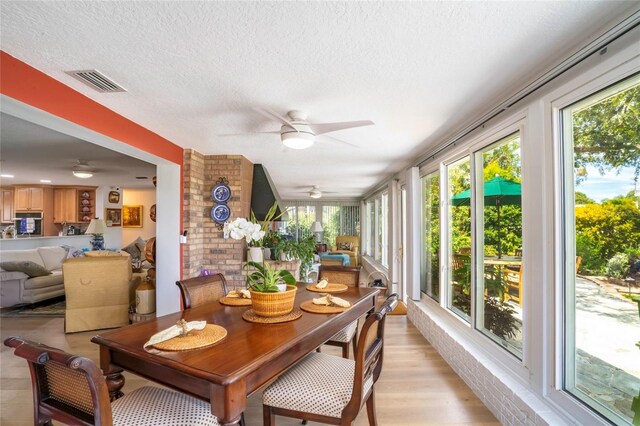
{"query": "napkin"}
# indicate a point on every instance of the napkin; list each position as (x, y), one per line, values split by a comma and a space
(243, 294)
(181, 328)
(322, 284)
(330, 300)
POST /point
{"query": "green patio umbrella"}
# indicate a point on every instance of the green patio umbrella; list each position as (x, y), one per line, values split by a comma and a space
(497, 192)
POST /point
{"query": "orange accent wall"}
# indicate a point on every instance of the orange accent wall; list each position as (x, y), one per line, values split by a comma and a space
(24, 83)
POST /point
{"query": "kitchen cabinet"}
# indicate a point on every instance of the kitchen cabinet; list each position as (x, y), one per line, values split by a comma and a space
(26, 199)
(65, 201)
(6, 198)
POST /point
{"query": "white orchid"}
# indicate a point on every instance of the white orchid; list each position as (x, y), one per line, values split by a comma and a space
(242, 229)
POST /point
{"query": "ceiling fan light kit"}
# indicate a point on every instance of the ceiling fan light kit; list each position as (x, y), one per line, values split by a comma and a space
(315, 192)
(82, 170)
(297, 140)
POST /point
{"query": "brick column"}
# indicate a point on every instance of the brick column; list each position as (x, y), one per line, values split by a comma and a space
(206, 247)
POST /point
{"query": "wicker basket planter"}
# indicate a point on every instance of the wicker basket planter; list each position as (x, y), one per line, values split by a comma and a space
(273, 304)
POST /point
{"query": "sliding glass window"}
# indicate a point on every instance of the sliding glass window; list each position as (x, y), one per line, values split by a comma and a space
(430, 265)
(459, 238)
(498, 202)
(601, 198)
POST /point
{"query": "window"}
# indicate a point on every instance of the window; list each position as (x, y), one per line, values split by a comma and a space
(339, 220)
(430, 266)
(377, 240)
(601, 200)
(300, 220)
(499, 277)
(459, 237)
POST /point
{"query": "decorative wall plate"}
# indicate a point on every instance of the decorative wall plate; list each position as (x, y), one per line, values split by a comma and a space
(221, 193)
(220, 213)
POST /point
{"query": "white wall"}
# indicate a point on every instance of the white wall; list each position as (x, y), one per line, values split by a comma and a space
(140, 197)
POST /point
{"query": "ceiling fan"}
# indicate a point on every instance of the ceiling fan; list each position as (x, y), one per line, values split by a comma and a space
(295, 132)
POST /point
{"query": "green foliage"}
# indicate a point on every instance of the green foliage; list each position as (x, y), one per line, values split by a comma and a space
(581, 198)
(606, 135)
(618, 266)
(499, 318)
(265, 225)
(303, 249)
(265, 277)
(611, 227)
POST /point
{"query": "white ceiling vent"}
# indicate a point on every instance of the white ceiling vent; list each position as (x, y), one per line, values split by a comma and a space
(97, 81)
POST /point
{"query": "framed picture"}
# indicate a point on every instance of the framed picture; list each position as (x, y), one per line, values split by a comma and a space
(132, 216)
(114, 197)
(113, 217)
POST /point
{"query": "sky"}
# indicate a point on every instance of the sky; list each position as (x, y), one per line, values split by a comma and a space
(610, 185)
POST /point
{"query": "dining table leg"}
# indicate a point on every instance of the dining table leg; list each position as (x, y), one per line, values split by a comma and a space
(113, 375)
(228, 402)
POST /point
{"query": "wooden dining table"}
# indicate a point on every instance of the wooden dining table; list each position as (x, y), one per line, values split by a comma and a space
(225, 374)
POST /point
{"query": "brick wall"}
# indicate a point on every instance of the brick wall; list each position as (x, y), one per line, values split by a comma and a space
(510, 401)
(206, 246)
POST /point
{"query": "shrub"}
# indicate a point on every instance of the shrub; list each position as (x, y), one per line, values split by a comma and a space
(589, 249)
(618, 266)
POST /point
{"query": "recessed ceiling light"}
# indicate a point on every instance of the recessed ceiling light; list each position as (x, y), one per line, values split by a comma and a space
(7, 176)
(45, 181)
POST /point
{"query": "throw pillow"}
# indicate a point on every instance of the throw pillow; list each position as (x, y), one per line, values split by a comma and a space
(345, 246)
(72, 251)
(135, 248)
(25, 266)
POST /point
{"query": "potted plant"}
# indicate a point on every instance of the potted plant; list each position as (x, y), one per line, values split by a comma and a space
(266, 297)
(303, 249)
(241, 229)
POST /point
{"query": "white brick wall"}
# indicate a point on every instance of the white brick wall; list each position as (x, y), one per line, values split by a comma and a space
(510, 401)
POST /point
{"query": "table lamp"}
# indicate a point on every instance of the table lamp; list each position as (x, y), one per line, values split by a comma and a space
(97, 228)
(316, 228)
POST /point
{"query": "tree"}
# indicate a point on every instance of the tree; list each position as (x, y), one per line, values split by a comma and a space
(607, 134)
(581, 198)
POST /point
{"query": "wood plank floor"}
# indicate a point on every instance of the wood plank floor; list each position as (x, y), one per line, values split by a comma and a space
(416, 386)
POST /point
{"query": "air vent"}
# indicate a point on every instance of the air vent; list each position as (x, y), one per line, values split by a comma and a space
(97, 81)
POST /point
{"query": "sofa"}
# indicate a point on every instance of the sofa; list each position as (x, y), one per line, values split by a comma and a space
(97, 288)
(349, 245)
(19, 288)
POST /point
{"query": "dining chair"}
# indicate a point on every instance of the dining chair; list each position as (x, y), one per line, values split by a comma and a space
(513, 283)
(328, 389)
(350, 276)
(71, 389)
(200, 290)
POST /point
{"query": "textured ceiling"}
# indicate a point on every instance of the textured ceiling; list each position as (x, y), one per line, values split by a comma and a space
(194, 70)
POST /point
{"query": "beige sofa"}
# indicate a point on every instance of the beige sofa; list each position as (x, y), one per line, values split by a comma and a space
(354, 242)
(18, 288)
(97, 291)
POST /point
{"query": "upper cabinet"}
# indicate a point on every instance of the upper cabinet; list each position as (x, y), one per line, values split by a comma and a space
(65, 202)
(28, 199)
(6, 198)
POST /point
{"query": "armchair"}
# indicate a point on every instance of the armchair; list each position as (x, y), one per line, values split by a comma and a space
(349, 245)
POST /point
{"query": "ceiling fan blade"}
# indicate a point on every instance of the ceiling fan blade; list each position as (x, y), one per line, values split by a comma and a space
(275, 132)
(333, 140)
(322, 128)
(274, 116)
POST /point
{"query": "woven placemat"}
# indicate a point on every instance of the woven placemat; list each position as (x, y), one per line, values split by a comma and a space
(195, 339)
(235, 301)
(251, 316)
(330, 288)
(309, 306)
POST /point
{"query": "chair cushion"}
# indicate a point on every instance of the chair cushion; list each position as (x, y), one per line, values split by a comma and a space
(346, 334)
(151, 406)
(345, 246)
(319, 384)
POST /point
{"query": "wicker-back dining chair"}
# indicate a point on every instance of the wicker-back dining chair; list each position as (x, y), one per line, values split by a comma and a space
(201, 290)
(350, 276)
(71, 389)
(328, 389)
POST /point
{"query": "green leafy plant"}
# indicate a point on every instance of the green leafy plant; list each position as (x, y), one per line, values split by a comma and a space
(265, 278)
(265, 225)
(618, 266)
(302, 249)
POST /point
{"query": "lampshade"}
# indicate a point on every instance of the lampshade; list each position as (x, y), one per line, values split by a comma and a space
(316, 227)
(97, 226)
(295, 140)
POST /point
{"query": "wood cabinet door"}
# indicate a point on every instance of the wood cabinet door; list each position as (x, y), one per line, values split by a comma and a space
(7, 206)
(22, 199)
(58, 206)
(37, 198)
(70, 205)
